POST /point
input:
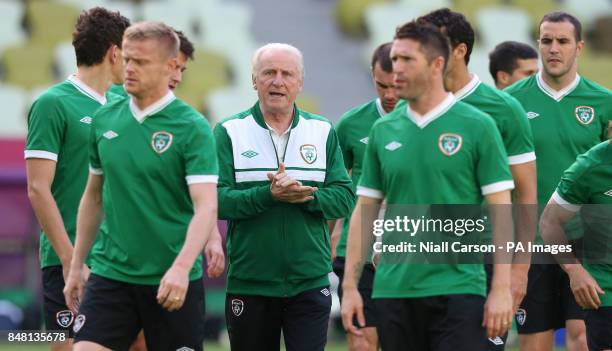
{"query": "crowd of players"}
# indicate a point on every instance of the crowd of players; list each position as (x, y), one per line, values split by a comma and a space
(128, 181)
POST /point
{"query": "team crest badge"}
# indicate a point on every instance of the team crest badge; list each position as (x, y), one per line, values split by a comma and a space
(237, 307)
(309, 153)
(450, 143)
(521, 316)
(64, 318)
(584, 114)
(161, 141)
(78, 323)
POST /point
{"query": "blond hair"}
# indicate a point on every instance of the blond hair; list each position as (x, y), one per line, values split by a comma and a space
(159, 31)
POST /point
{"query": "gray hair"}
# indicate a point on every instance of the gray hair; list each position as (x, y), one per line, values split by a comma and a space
(159, 31)
(278, 47)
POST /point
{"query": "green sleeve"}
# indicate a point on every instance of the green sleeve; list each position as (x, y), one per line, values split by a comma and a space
(573, 186)
(492, 170)
(518, 138)
(46, 127)
(347, 153)
(371, 181)
(335, 199)
(95, 166)
(200, 154)
(235, 203)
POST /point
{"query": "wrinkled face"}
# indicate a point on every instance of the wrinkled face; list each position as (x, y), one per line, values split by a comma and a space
(524, 69)
(558, 48)
(384, 87)
(411, 70)
(278, 80)
(177, 75)
(146, 66)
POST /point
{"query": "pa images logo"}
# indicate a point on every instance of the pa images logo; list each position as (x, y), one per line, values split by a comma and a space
(584, 114)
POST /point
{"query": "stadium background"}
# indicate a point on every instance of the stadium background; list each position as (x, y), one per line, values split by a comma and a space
(336, 37)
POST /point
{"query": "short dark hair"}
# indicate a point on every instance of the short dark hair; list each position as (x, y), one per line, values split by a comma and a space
(95, 32)
(454, 26)
(505, 55)
(560, 16)
(433, 43)
(382, 56)
(186, 46)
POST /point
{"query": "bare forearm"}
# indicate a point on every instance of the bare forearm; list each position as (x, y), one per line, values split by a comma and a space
(89, 219)
(198, 232)
(51, 221)
(358, 243)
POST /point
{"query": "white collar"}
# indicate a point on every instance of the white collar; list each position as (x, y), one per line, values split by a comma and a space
(85, 89)
(469, 88)
(380, 108)
(433, 114)
(155, 107)
(274, 130)
(556, 94)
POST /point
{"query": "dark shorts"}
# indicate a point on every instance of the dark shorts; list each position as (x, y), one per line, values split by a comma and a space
(549, 302)
(366, 282)
(113, 312)
(254, 322)
(436, 323)
(57, 314)
(599, 328)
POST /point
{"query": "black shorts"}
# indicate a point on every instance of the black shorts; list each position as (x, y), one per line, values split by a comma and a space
(113, 312)
(436, 323)
(599, 328)
(366, 282)
(57, 314)
(254, 323)
(549, 301)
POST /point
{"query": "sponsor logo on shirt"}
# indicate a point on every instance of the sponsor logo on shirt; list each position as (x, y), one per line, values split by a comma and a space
(450, 143)
(161, 141)
(521, 316)
(585, 114)
(86, 120)
(249, 154)
(392, 146)
(308, 153)
(110, 135)
(64, 318)
(532, 115)
(496, 340)
(609, 192)
(78, 323)
(365, 140)
(237, 307)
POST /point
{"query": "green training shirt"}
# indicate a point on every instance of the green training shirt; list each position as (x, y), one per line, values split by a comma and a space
(118, 89)
(458, 149)
(589, 181)
(58, 129)
(353, 130)
(148, 159)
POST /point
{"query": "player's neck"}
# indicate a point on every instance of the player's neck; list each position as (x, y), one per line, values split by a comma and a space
(561, 82)
(278, 120)
(153, 96)
(98, 78)
(457, 79)
(428, 101)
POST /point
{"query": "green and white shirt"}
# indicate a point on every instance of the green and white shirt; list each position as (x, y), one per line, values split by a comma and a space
(276, 248)
(58, 130)
(353, 130)
(458, 149)
(148, 159)
(586, 186)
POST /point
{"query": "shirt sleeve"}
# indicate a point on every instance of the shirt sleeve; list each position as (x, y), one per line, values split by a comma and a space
(517, 135)
(573, 189)
(200, 154)
(347, 153)
(371, 181)
(492, 170)
(95, 166)
(46, 127)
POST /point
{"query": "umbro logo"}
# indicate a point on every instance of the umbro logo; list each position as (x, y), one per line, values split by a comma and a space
(110, 135)
(86, 120)
(364, 140)
(609, 192)
(496, 340)
(249, 154)
(184, 348)
(325, 292)
(532, 115)
(392, 146)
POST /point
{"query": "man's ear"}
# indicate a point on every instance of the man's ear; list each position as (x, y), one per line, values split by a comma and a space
(503, 78)
(254, 81)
